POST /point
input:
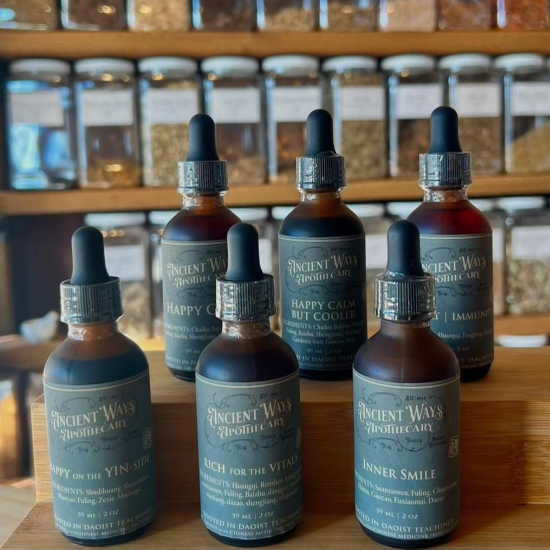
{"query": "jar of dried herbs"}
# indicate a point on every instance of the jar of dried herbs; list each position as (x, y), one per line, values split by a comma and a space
(415, 90)
(108, 139)
(287, 15)
(126, 257)
(522, 14)
(356, 97)
(29, 15)
(293, 90)
(227, 15)
(159, 15)
(474, 90)
(527, 254)
(233, 98)
(39, 116)
(460, 15)
(93, 15)
(376, 226)
(408, 15)
(348, 15)
(526, 112)
(170, 96)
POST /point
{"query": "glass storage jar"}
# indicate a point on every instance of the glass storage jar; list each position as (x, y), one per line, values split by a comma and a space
(415, 90)
(522, 14)
(376, 226)
(526, 113)
(460, 15)
(293, 90)
(158, 221)
(287, 15)
(40, 125)
(474, 90)
(408, 15)
(126, 257)
(170, 96)
(356, 97)
(497, 220)
(108, 140)
(93, 15)
(229, 15)
(29, 15)
(233, 98)
(159, 15)
(527, 254)
(348, 15)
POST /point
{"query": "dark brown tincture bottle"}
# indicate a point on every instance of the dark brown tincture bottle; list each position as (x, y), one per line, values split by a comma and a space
(457, 249)
(248, 409)
(194, 252)
(98, 407)
(322, 263)
(406, 395)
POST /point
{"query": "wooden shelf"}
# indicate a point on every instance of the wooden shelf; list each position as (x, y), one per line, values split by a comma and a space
(20, 203)
(489, 528)
(133, 45)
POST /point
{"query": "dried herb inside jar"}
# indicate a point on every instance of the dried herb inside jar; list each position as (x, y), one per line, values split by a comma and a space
(408, 15)
(483, 138)
(98, 14)
(523, 14)
(352, 16)
(169, 144)
(528, 284)
(227, 15)
(464, 14)
(29, 14)
(136, 304)
(285, 15)
(531, 151)
(164, 15)
(413, 140)
(291, 144)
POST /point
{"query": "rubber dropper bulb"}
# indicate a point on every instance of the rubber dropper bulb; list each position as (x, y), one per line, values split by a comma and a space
(88, 257)
(320, 134)
(444, 131)
(202, 139)
(404, 250)
(243, 254)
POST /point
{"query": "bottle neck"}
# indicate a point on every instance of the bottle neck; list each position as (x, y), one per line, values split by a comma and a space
(317, 195)
(89, 333)
(437, 194)
(400, 328)
(198, 201)
(240, 329)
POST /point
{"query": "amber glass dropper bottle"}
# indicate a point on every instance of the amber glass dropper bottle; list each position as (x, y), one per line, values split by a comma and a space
(194, 251)
(457, 248)
(322, 263)
(248, 409)
(98, 407)
(406, 395)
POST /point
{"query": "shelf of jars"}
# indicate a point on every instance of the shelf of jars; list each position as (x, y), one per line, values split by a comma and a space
(25, 203)
(136, 45)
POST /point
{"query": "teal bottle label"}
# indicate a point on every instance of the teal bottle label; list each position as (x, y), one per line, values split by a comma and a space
(189, 272)
(407, 459)
(102, 458)
(250, 459)
(463, 270)
(323, 299)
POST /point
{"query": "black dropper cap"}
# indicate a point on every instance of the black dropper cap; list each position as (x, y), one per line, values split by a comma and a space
(445, 165)
(245, 293)
(91, 295)
(322, 167)
(404, 292)
(202, 171)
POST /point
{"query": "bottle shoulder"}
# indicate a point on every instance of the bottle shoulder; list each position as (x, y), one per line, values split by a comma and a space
(193, 225)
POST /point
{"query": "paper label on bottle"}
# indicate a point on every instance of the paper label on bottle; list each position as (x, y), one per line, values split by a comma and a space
(40, 108)
(478, 100)
(236, 105)
(293, 104)
(499, 245)
(126, 262)
(530, 99)
(102, 457)
(407, 457)
(531, 243)
(266, 255)
(376, 251)
(107, 107)
(363, 103)
(417, 101)
(463, 269)
(189, 271)
(323, 299)
(172, 106)
(250, 463)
